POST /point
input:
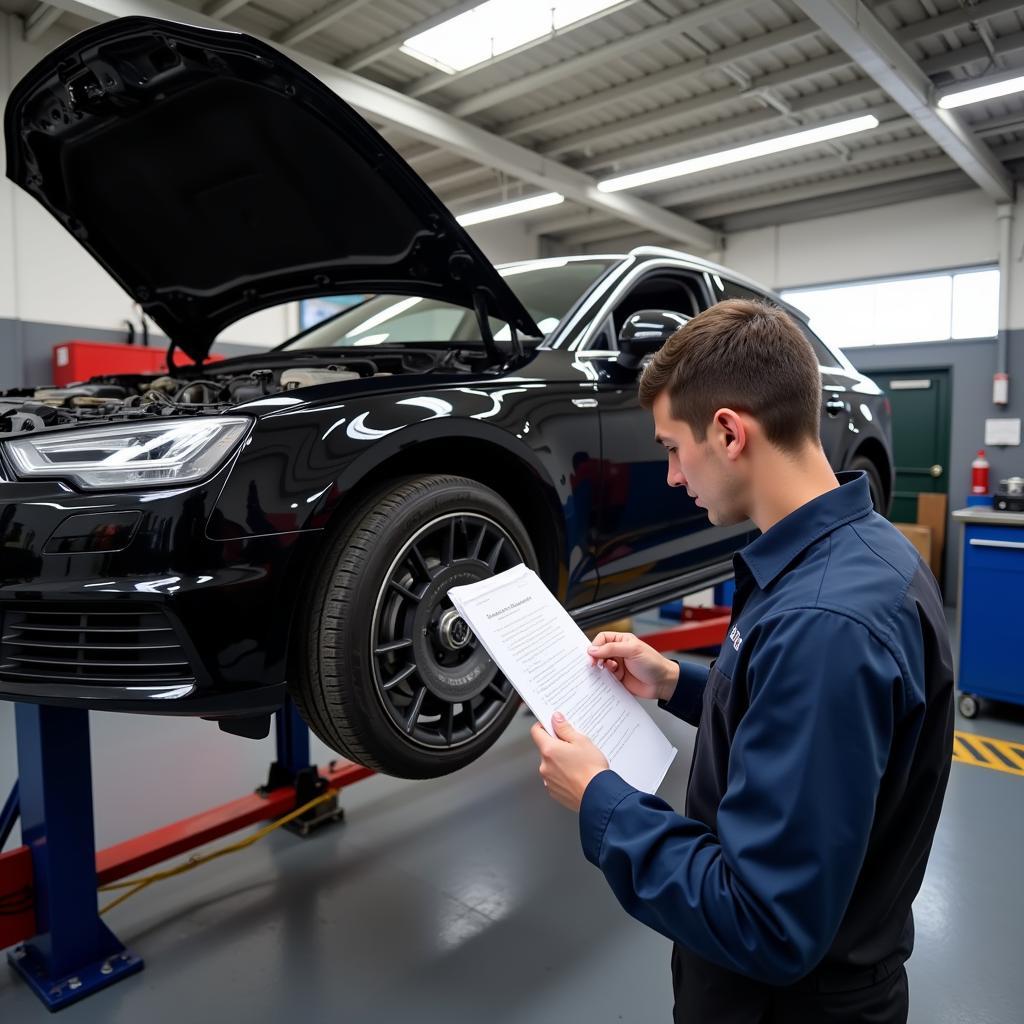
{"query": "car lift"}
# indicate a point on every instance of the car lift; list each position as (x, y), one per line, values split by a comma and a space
(48, 887)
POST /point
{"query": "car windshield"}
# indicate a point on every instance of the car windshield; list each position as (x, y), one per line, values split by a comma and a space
(547, 288)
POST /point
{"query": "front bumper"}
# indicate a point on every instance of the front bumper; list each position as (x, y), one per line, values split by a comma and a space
(171, 622)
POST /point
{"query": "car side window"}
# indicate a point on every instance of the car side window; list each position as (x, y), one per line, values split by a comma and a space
(723, 288)
(662, 289)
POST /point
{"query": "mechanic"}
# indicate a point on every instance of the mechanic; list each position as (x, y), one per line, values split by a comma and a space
(824, 726)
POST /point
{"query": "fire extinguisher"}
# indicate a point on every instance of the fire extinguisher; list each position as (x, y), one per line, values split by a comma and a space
(979, 474)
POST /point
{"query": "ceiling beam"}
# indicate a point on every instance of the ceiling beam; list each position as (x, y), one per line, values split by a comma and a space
(222, 8)
(827, 187)
(927, 172)
(1003, 46)
(439, 79)
(853, 201)
(786, 76)
(671, 76)
(717, 189)
(552, 221)
(660, 33)
(42, 18)
(685, 141)
(427, 124)
(659, 116)
(693, 19)
(854, 28)
(964, 14)
(317, 20)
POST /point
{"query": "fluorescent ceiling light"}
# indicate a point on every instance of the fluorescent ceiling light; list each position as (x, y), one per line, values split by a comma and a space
(1001, 86)
(496, 27)
(511, 209)
(731, 156)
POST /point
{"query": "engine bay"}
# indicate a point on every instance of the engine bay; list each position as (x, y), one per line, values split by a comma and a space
(210, 389)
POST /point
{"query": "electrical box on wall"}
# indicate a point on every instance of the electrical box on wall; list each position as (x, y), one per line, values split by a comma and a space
(80, 360)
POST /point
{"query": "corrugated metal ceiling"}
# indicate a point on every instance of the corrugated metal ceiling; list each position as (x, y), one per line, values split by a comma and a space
(635, 88)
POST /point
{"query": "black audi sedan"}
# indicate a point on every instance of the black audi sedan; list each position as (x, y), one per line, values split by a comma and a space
(204, 541)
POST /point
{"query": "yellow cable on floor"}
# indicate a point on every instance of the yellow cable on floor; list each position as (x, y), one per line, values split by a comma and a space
(138, 884)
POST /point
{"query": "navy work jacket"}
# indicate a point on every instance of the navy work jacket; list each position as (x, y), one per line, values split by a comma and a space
(823, 749)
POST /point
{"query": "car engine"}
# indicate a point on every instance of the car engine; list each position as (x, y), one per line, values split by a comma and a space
(117, 398)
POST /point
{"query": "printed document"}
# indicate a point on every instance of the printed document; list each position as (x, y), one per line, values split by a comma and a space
(543, 653)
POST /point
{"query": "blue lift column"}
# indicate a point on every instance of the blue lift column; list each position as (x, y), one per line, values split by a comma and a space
(73, 953)
(292, 768)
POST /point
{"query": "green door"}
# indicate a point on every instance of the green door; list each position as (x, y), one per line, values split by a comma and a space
(920, 434)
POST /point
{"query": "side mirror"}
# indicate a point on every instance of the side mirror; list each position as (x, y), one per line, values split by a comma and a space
(645, 332)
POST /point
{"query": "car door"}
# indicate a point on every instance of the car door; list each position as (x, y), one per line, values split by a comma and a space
(646, 533)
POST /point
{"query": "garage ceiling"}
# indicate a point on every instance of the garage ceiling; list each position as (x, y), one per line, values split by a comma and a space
(650, 82)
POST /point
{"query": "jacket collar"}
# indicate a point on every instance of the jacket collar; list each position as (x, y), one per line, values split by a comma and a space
(772, 552)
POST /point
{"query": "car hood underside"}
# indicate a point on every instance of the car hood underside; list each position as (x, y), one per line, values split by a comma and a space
(212, 177)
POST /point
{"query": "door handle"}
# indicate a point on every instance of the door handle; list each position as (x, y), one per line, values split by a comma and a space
(834, 406)
(936, 471)
(1014, 545)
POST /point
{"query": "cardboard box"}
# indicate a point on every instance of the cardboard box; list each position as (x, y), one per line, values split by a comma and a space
(931, 512)
(919, 536)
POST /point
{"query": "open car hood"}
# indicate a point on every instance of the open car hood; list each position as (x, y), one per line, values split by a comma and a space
(212, 177)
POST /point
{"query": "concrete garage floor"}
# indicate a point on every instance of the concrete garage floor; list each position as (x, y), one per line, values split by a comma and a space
(465, 898)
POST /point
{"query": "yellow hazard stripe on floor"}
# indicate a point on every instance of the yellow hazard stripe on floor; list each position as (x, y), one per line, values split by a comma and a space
(988, 752)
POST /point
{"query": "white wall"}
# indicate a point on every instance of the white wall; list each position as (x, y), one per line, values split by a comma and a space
(505, 241)
(927, 234)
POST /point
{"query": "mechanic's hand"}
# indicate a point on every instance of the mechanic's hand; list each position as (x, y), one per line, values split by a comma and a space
(568, 761)
(638, 666)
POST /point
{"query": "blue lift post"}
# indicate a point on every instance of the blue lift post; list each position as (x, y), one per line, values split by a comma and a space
(292, 737)
(292, 768)
(74, 952)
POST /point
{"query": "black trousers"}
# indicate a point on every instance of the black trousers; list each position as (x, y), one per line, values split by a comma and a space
(708, 994)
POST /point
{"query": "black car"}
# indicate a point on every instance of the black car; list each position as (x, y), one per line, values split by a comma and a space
(203, 541)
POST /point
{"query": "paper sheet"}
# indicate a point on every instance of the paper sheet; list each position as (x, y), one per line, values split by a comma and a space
(535, 642)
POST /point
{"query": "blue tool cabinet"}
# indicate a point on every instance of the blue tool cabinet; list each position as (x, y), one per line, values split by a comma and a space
(991, 606)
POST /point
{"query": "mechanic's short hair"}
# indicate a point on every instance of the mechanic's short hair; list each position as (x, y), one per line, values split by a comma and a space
(744, 355)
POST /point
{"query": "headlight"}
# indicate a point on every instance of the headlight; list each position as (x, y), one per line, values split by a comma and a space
(149, 454)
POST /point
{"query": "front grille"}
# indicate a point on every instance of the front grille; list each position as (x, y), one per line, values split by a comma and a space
(97, 647)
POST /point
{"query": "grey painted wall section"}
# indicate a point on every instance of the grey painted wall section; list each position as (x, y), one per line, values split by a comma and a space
(26, 349)
(971, 365)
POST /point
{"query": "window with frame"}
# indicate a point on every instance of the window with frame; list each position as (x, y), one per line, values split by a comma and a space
(944, 306)
(722, 288)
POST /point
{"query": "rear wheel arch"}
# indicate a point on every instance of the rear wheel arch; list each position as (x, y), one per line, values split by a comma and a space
(874, 452)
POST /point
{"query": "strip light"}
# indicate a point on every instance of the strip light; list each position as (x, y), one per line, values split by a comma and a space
(990, 90)
(511, 209)
(795, 140)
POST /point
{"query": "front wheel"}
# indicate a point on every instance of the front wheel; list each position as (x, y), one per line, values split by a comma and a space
(388, 674)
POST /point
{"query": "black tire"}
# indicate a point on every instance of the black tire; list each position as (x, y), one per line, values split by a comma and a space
(385, 672)
(875, 484)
